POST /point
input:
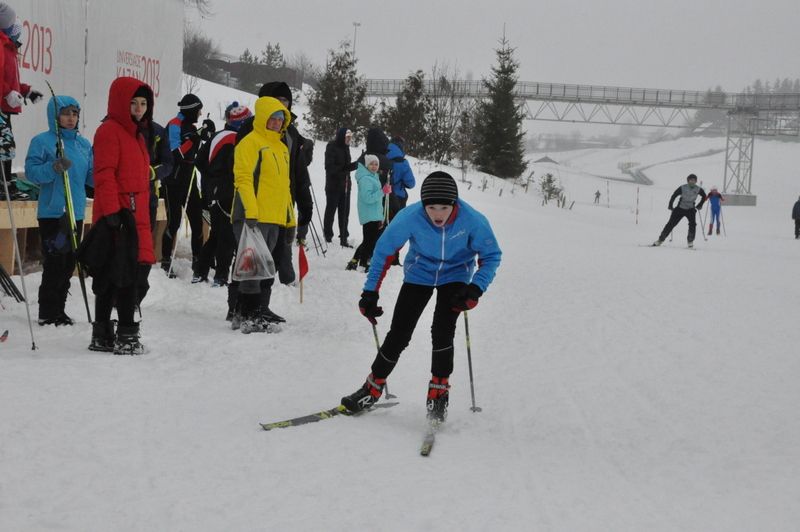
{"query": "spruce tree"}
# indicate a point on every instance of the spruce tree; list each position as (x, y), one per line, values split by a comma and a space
(407, 118)
(341, 98)
(500, 146)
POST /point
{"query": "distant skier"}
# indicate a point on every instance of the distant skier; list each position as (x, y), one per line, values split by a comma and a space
(796, 218)
(715, 199)
(686, 209)
(597, 197)
(447, 269)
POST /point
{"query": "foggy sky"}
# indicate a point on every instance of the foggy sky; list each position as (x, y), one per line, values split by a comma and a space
(675, 44)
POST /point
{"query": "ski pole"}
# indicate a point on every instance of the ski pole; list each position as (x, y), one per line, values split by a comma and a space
(702, 229)
(469, 362)
(722, 221)
(183, 210)
(319, 217)
(378, 345)
(17, 253)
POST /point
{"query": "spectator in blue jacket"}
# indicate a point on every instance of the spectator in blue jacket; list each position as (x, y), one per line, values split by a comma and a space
(445, 237)
(402, 177)
(43, 167)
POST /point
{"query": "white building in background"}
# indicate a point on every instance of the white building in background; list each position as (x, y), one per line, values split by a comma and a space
(81, 46)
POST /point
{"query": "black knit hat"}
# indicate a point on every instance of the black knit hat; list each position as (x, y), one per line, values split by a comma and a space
(439, 188)
(190, 101)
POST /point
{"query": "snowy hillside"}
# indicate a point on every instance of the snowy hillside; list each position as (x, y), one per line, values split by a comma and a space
(623, 388)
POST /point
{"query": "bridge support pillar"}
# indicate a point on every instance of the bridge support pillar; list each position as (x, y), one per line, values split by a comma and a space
(739, 152)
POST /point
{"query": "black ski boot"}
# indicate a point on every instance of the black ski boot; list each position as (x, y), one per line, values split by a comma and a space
(438, 399)
(58, 321)
(127, 342)
(102, 336)
(364, 397)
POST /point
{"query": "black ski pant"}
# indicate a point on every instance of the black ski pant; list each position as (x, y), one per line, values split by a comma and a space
(675, 217)
(396, 204)
(336, 200)
(175, 200)
(219, 248)
(283, 255)
(411, 301)
(58, 264)
(126, 299)
(371, 232)
(797, 228)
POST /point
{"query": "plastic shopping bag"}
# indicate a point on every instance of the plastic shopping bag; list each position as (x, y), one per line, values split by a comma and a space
(253, 259)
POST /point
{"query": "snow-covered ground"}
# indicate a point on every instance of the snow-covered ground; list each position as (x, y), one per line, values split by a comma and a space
(623, 388)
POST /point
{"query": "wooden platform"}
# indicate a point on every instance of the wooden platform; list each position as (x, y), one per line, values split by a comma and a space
(28, 232)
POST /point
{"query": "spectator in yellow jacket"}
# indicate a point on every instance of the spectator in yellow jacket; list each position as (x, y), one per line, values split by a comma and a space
(263, 200)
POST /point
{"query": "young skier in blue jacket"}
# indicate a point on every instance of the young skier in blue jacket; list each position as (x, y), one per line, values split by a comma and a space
(445, 237)
(44, 168)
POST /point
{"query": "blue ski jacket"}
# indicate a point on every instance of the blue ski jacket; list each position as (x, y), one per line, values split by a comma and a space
(39, 165)
(370, 196)
(402, 175)
(438, 255)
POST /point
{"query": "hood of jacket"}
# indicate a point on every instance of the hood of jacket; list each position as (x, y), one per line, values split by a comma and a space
(54, 107)
(377, 141)
(119, 102)
(395, 151)
(340, 134)
(265, 107)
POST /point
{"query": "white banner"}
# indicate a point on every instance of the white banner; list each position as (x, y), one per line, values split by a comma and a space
(80, 47)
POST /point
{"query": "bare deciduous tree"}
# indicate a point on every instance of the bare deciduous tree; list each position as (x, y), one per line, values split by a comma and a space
(448, 103)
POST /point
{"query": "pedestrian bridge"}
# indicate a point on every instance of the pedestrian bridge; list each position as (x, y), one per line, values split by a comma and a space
(749, 115)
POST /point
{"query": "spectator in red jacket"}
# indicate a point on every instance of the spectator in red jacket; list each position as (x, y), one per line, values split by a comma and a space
(122, 192)
(12, 93)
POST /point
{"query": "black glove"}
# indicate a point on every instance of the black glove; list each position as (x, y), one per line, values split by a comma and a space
(34, 96)
(368, 305)
(113, 221)
(700, 207)
(670, 207)
(208, 130)
(251, 222)
(465, 297)
(61, 165)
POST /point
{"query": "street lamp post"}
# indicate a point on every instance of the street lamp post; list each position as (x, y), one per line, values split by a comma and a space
(355, 33)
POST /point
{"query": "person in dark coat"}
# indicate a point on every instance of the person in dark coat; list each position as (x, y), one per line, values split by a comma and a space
(184, 142)
(155, 136)
(401, 177)
(122, 192)
(796, 218)
(215, 162)
(338, 185)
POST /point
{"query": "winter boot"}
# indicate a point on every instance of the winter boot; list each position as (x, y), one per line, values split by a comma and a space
(711, 229)
(165, 265)
(691, 245)
(717, 229)
(344, 243)
(438, 399)
(127, 342)
(658, 242)
(102, 336)
(352, 265)
(61, 319)
(364, 397)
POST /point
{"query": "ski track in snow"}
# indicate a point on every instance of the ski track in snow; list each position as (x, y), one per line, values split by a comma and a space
(622, 388)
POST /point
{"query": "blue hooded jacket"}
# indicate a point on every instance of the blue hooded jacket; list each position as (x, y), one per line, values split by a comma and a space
(39, 165)
(402, 175)
(438, 255)
(370, 196)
